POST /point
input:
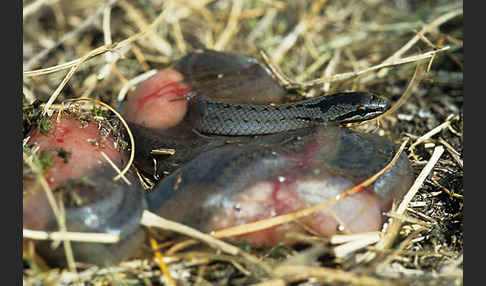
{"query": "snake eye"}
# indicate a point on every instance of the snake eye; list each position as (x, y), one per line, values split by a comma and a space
(361, 107)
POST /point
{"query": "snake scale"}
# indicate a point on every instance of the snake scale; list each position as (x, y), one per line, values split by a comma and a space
(213, 117)
(258, 103)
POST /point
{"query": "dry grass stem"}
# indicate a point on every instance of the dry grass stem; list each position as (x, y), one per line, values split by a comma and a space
(289, 83)
(28, 94)
(406, 218)
(106, 28)
(433, 25)
(343, 238)
(289, 41)
(111, 57)
(321, 60)
(160, 261)
(152, 220)
(68, 250)
(45, 186)
(297, 272)
(179, 37)
(181, 245)
(88, 22)
(454, 154)
(161, 45)
(71, 236)
(284, 79)
(271, 282)
(262, 25)
(133, 82)
(55, 208)
(36, 5)
(331, 67)
(394, 226)
(412, 86)
(431, 133)
(232, 26)
(348, 75)
(116, 168)
(345, 249)
(49, 70)
(163, 152)
(68, 76)
(74, 64)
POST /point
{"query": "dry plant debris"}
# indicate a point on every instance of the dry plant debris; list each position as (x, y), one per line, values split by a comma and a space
(101, 49)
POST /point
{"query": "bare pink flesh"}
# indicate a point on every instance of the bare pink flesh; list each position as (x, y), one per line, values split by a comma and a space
(82, 140)
(159, 101)
(357, 213)
(85, 144)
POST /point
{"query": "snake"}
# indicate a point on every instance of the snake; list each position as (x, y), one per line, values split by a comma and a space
(224, 102)
(222, 118)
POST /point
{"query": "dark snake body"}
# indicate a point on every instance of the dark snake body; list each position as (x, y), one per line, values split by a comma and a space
(235, 95)
(214, 117)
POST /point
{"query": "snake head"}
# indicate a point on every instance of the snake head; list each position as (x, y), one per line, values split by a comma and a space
(350, 107)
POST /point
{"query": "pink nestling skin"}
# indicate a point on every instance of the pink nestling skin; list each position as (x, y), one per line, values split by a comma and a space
(82, 141)
(357, 213)
(309, 178)
(91, 199)
(159, 101)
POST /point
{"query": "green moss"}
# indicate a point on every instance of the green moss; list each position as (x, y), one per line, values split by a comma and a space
(45, 159)
(44, 125)
(97, 111)
(27, 113)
